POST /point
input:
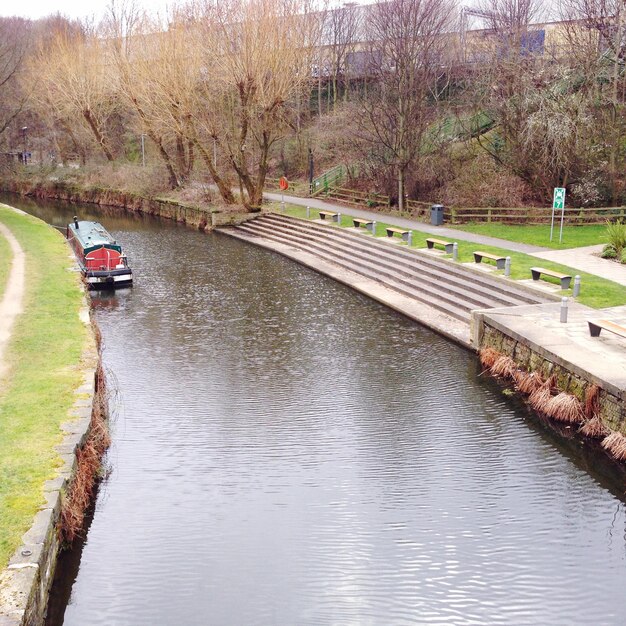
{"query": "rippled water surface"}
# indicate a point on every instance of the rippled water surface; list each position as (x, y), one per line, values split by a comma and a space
(289, 452)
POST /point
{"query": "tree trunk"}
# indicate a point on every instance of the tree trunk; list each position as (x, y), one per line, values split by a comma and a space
(223, 188)
(100, 138)
(401, 189)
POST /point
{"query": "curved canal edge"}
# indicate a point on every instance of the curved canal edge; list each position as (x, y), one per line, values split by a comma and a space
(26, 581)
(584, 378)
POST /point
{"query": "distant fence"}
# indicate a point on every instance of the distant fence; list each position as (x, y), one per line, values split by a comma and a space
(419, 210)
(537, 215)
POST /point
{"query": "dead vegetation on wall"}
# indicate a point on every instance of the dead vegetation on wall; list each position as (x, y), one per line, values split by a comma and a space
(544, 396)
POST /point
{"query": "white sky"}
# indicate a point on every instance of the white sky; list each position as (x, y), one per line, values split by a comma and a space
(71, 8)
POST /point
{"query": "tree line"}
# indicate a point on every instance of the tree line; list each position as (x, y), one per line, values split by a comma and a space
(413, 104)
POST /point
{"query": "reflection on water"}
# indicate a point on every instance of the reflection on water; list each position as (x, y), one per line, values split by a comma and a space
(289, 452)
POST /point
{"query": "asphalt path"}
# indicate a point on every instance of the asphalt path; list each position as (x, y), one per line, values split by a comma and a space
(441, 231)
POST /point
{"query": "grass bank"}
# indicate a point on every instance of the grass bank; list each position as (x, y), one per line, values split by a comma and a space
(596, 292)
(44, 357)
(5, 263)
(539, 234)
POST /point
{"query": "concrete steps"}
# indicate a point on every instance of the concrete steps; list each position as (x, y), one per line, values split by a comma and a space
(423, 267)
(449, 288)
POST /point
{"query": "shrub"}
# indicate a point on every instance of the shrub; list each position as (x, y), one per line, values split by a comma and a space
(616, 235)
(623, 257)
(609, 252)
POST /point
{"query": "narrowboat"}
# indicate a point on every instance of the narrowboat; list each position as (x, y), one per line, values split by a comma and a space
(100, 257)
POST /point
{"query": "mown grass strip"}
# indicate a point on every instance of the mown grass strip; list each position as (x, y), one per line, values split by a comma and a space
(596, 292)
(6, 258)
(44, 356)
(539, 234)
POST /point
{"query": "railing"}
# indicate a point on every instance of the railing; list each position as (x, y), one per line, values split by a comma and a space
(297, 188)
(328, 179)
(357, 198)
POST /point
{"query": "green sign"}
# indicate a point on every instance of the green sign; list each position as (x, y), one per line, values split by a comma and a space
(558, 201)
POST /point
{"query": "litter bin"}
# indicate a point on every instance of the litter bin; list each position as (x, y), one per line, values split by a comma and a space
(436, 214)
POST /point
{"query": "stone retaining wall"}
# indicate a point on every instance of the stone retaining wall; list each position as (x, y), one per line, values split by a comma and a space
(194, 216)
(612, 407)
(26, 582)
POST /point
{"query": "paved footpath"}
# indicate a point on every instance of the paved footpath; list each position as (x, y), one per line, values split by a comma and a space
(442, 231)
(11, 303)
(587, 259)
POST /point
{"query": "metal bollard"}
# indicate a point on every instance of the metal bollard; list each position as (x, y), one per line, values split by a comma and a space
(409, 240)
(308, 212)
(507, 266)
(563, 310)
(339, 219)
(455, 251)
(576, 290)
(374, 228)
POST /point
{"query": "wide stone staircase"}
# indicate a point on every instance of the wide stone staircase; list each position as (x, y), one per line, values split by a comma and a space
(450, 288)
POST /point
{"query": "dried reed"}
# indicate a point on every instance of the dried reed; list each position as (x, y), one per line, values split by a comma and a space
(594, 428)
(488, 356)
(528, 383)
(88, 464)
(615, 444)
(504, 367)
(565, 408)
(539, 398)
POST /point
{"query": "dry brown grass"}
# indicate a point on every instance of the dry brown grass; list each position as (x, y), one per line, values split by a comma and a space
(528, 383)
(488, 356)
(80, 492)
(540, 398)
(504, 366)
(615, 444)
(594, 428)
(565, 408)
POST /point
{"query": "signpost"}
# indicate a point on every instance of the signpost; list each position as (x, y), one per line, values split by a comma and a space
(558, 202)
(283, 183)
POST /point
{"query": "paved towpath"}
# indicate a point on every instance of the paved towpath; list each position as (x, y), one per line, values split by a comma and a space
(11, 303)
(587, 259)
(441, 231)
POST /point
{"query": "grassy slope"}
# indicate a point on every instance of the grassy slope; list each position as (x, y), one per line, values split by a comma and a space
(539, 235)
(44, 357)
(5, 263)
(595, 291)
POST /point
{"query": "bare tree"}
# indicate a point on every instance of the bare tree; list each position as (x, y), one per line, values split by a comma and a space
(72, 80)
(595, 34)
(256, 62)
(406, 60)
(133, 53)
(15, 39)
(342, 30)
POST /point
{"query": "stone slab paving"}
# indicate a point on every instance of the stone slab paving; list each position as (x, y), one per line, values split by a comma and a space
(601, 359)
(440, 231)
(588, 260)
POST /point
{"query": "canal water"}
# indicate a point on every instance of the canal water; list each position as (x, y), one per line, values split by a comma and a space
(286, 451)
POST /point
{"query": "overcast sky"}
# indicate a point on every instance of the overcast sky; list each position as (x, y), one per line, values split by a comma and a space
(71, 8)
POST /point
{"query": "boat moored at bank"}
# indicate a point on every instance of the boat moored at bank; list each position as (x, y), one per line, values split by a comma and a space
(100, 257)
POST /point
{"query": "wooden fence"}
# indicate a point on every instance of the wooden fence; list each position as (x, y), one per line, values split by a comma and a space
(419, 210)
(537, 215)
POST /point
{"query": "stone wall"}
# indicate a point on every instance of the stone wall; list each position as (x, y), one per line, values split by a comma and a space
(612, 408)
(194, 216)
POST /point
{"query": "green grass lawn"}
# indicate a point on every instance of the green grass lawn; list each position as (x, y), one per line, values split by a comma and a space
(595, 291)
(539, 235)
(44, 358)
(5, 262)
